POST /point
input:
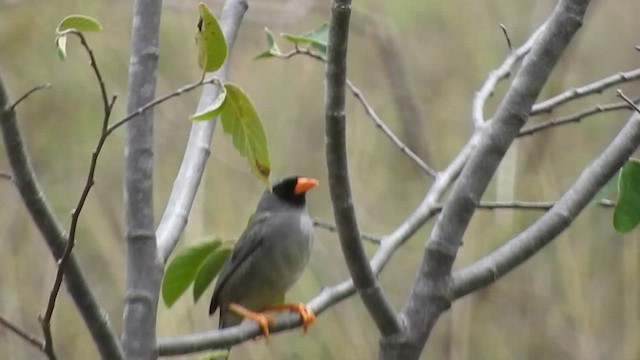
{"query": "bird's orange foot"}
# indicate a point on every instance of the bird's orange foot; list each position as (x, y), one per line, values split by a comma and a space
(308, 317)
(263, 320)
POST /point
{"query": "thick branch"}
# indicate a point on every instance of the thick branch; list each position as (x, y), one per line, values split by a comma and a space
(430, 295)
(517, 250)
(34, 199)
(338, 173)
(144, 267)
(189, 176)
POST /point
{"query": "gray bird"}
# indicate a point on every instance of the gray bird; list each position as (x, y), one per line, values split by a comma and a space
(268, 259)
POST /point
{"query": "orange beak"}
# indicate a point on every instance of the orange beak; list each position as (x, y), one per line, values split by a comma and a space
(304, 184)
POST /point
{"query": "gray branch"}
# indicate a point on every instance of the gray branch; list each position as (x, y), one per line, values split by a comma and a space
(589, 89)
(195, 157)
(497, 75)
(430, 295)
(23, 176)
(517, 250)
(144, 266)
(338, 172)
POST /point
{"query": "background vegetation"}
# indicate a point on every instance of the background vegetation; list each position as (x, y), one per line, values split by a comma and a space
(578, 299)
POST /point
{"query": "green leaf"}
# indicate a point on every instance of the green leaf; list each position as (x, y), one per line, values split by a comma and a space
(626, 215)
(208, 271)
(317, 39)
(214, 109)
(240, 119)
(61, 45)
(212, 47)
(181, 271)
(80, 23)
(274, 50)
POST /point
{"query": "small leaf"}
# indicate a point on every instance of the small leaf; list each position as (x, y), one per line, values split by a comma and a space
(317, 39)
(212, 47)
(214, 109)
(274, 50)
(61, 45)
(626, 215)
(209, 270)
(81, 23)
(181, 271)
(241, 120)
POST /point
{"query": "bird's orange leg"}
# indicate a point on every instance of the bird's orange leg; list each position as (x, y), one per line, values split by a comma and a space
(263, 320)
(308, 317)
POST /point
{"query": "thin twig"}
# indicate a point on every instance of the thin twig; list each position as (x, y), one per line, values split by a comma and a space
(27, 94)
(564, 120)
(627, 100)
(6, 176)
(45, 321)
(371, 113)
(595, 87)
(31, 339)
(320, 224)
(385, 130)
(506, 36)
(497, 75)
(183, 90)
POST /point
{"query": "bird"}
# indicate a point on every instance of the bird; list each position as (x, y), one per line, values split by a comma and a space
(268, 258)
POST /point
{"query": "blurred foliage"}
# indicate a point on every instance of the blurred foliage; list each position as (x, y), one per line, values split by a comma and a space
(577, 299)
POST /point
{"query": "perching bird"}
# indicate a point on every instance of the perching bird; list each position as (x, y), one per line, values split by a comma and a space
(268, 258)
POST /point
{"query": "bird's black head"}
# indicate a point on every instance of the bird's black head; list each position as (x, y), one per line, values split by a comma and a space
(293, 189)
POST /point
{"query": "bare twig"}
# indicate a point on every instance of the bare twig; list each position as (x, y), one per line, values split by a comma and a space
(506, 36)
(183, 90)
(627, 100)
(589, 89)
(320, 224)
(6, 176)
(515, 204)
(338, 173)
(371, 113)
(497, 75)
(27, 94)
(385, 130)
(31, 339)
(564, 120)
(45, 320)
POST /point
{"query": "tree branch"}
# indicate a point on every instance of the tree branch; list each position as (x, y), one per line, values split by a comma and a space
(499, 74)
(189, 176)
(29, 93)
(338, 173)
(576, 93)
(144, 266)
(517, 250)
(430, 294)
(332, 228)
(24, 178)
(564, 120)
(31, 339)
(45, 321)
(368, 109)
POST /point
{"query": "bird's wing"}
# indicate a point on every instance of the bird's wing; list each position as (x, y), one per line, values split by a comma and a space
(249, 241)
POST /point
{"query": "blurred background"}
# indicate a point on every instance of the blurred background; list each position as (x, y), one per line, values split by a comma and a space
(419, 64)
